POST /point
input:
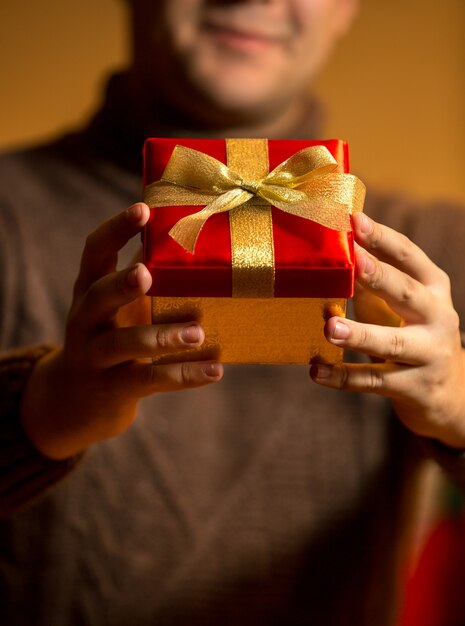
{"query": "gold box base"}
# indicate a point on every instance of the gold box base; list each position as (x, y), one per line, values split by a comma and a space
(255, 330)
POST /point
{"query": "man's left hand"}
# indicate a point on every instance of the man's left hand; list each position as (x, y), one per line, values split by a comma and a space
(418, 363)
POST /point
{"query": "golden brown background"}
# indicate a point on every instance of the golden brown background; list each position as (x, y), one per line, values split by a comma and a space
(395, 88)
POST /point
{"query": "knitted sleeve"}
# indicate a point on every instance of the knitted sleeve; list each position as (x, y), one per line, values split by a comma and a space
(24, 472)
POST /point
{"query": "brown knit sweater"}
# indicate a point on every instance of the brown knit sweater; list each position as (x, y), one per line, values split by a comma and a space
(261, 500)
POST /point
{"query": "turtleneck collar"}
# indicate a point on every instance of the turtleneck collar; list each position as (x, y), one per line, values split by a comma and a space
(119, 128)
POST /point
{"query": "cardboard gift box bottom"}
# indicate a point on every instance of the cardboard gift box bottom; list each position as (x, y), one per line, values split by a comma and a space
(255, 330)
(312, 268)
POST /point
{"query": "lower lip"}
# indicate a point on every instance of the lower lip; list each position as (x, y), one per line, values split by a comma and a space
(241, 42)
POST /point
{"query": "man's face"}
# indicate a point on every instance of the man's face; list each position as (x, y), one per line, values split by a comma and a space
(250, 55)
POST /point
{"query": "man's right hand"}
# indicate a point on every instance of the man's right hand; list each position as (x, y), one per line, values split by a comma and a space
(88, 389)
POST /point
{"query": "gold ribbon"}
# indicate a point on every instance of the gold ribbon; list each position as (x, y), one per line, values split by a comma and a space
(251, 227)
(304, 185)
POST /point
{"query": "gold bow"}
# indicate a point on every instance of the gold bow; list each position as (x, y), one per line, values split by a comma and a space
(304, 185)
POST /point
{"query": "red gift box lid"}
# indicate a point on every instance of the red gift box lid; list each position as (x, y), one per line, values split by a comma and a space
(311, 260)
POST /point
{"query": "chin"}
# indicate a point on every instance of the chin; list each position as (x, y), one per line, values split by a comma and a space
(245, 99)
(236, 88)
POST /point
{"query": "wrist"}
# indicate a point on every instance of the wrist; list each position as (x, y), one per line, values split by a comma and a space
(44, 409)
(65, 410)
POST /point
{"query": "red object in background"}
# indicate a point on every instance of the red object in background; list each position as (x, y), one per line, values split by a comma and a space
(435, 592)
(310, 260)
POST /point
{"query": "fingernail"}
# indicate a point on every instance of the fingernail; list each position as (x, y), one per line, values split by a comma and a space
(134, 213)
(321, 371)
(341, 331)
(212, 370)
(190, 334)
(131, 277)
(369, 267)
(366, 224)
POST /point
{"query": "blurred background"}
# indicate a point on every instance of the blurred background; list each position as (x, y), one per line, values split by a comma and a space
(395, 89)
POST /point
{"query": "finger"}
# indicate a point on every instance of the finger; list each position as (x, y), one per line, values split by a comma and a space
(104, 298)
(138, 342)
(405, 295)
(392, 344)
(100, 253)
(385, 379)
(145, 379)
(398, 250)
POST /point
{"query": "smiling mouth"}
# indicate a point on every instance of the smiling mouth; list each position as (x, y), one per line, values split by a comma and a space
(243, 39)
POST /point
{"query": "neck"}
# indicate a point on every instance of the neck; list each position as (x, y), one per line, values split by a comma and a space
(280, 123)
(128, 118)
(196, 115)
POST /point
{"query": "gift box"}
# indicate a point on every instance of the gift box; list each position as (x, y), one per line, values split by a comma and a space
(252, 238)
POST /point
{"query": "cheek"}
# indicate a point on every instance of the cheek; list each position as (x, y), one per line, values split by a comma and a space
(306, 13)
(182, 21)
(315, 22)
(306, 21)
(314, 19)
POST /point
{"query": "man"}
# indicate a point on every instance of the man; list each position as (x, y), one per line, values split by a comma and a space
(263, 498)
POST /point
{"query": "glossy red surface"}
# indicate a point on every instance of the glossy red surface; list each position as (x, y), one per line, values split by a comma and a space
(310, 260)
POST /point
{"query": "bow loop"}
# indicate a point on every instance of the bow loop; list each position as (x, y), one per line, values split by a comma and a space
(198, 171)
(302, 167)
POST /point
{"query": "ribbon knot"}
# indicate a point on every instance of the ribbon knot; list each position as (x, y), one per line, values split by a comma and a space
(251, 186)
(305, 185)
